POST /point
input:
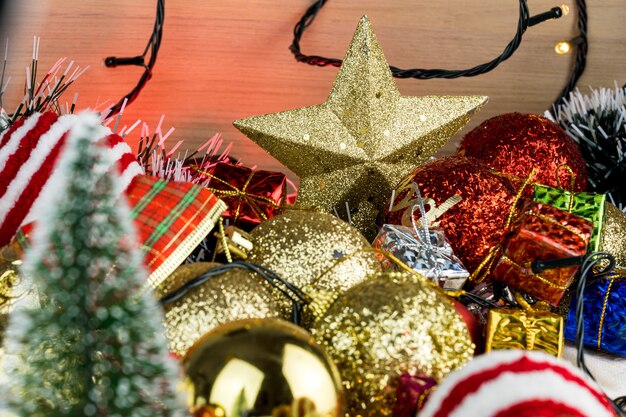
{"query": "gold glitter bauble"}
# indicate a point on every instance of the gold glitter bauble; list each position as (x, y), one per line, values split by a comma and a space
(261, 368)
(232, 295)
(306, 248)
(357, 145)
(181, 276)
(389, 325)
(614, 235)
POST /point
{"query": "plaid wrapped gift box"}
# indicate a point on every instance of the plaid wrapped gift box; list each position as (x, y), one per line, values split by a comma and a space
(586, 205)
(509, 328)
(604, 314)
(542, 232)
(171, 220)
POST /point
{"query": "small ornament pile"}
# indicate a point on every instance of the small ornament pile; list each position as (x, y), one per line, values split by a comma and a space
(290, 310)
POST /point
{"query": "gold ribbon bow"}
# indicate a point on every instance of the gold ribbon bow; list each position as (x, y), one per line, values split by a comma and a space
(531, 328)
(604, 306)
(572, 183)
(483, 269)
(491, 256)
(241, 195)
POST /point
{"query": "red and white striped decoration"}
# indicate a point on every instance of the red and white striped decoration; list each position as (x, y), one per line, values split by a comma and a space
(29, 151)
(517, 384)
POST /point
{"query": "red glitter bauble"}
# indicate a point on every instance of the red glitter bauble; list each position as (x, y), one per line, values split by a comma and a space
(516, 143)
(473, 225)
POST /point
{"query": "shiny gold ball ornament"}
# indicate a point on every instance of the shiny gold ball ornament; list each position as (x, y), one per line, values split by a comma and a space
(261, 367)
(317, 252)
(233, 295)
(357, 145)
(388, 325)
(614, 235)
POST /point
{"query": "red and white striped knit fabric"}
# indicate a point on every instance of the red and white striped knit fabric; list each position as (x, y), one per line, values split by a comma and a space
(514, 383)
(29, 151)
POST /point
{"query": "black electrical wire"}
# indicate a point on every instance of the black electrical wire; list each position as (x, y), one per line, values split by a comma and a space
(587, 270)
(620, 402)
(580, 61)
(154, 43)
(595, 266)
(297, 297)
(469, 298)
(524, 22)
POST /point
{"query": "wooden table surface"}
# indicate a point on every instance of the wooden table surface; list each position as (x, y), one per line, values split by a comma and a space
(223, 60)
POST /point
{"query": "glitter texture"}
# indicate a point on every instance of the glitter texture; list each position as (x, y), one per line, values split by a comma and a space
(389, 325)
(181, 276)
(614, 236)
(233, 295)
(516, 143)
(308, 248)
(358, 144)
(473, 225)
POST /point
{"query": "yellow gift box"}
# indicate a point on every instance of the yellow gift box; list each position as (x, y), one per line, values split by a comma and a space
(509, 328)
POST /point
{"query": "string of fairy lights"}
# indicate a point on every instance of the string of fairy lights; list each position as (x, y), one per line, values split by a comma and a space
(525, 21)
(579, 43)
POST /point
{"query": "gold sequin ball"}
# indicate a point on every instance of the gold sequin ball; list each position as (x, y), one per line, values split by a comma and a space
(388, 325)
(232, 295)
(317, 252)
(614, 236)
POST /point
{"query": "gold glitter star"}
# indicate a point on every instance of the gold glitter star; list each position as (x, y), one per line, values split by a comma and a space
(364, 138)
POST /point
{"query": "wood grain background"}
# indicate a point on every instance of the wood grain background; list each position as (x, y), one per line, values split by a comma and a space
(222, 60)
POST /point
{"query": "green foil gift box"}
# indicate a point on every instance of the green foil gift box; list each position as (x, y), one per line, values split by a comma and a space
(589, 206)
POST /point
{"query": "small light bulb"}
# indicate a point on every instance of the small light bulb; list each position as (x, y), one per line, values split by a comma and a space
(562, 48)
(565, 9)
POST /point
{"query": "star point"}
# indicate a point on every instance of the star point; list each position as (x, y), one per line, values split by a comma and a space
(364, 138)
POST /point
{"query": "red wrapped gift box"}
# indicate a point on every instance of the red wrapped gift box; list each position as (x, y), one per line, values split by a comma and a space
(251, 196)
(542, 232)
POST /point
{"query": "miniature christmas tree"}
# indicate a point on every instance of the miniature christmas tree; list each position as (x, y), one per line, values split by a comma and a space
(96, 346)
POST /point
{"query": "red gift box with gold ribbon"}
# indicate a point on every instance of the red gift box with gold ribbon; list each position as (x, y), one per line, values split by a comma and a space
(252, 196)
(542, 232)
